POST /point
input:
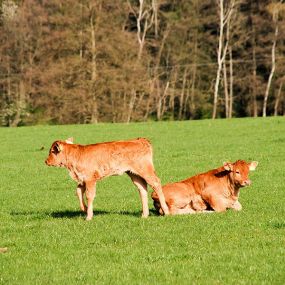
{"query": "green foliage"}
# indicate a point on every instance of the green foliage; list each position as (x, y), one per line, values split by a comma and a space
(118, 61)
(49, 242)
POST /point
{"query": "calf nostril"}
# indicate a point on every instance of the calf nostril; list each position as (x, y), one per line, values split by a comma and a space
(246, 182)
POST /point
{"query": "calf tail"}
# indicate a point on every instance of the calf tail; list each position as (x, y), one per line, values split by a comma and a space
(156, 203)
(155, 199)
(154, 196)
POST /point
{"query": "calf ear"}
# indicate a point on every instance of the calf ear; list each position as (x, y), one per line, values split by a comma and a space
(228, 166)
(69, 140)
(252, 165)
(58, 147)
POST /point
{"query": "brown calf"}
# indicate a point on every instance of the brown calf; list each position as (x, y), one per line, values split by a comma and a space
(89, 163)
(217, 189)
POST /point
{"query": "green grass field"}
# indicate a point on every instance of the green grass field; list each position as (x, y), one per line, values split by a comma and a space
(49, 242)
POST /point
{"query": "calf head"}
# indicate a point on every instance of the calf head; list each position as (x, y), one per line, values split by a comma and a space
(239, 171)
(57, 153)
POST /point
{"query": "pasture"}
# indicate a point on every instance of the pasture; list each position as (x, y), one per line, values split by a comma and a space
(49, 242)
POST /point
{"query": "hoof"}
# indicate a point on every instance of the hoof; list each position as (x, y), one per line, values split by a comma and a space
(166, 213)
(84, 209)
(88, 218)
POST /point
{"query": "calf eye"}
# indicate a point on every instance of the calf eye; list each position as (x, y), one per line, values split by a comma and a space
(237, 172)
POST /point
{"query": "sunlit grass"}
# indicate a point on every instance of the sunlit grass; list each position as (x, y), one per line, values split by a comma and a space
(49, 242)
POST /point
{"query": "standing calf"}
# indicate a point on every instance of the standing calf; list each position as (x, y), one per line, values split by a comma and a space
(217, 189)
(88, 164)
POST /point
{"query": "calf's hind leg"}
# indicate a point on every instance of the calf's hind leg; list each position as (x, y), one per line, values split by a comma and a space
(90, 195)
(174, 210)
(142, 187)
(150, 177)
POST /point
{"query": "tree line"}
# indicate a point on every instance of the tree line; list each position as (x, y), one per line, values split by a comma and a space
(89, 61)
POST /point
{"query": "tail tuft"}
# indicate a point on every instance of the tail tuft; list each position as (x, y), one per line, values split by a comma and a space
(154, 196)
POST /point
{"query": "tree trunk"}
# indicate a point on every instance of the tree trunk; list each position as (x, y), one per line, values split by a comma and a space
(226, 85)
(155, 12)
(194, 73)
(276, 105)
(113, 106)
(225, 17)
(20, 103)
(186, 101)
(231, 83)
(254, 84)
(217, 82)
(8, 97)
(139, 100)
(273, 65)
(94, 111)
(148, 21)
(182, 93)
(81, 32)
(156, 75)
(131, 106)
(226, 91)
(158, 100)
(147, 108)
(21, 93)
(163, 107)
(173, 93)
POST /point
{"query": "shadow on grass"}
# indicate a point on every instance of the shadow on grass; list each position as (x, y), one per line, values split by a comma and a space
(153, 212)
(35, 215)
(74, 214)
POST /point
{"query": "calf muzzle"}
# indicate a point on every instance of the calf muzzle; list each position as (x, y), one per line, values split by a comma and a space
(246, 182)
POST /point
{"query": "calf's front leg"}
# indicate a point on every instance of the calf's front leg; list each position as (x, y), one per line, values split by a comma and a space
(90, 195)
(237, 206)
(218, 203)
(80, 190)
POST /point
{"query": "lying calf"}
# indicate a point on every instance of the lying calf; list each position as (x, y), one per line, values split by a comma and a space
(217, 189)
(87, 164)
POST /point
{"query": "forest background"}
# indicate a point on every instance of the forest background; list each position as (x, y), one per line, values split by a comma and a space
(66, 62)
